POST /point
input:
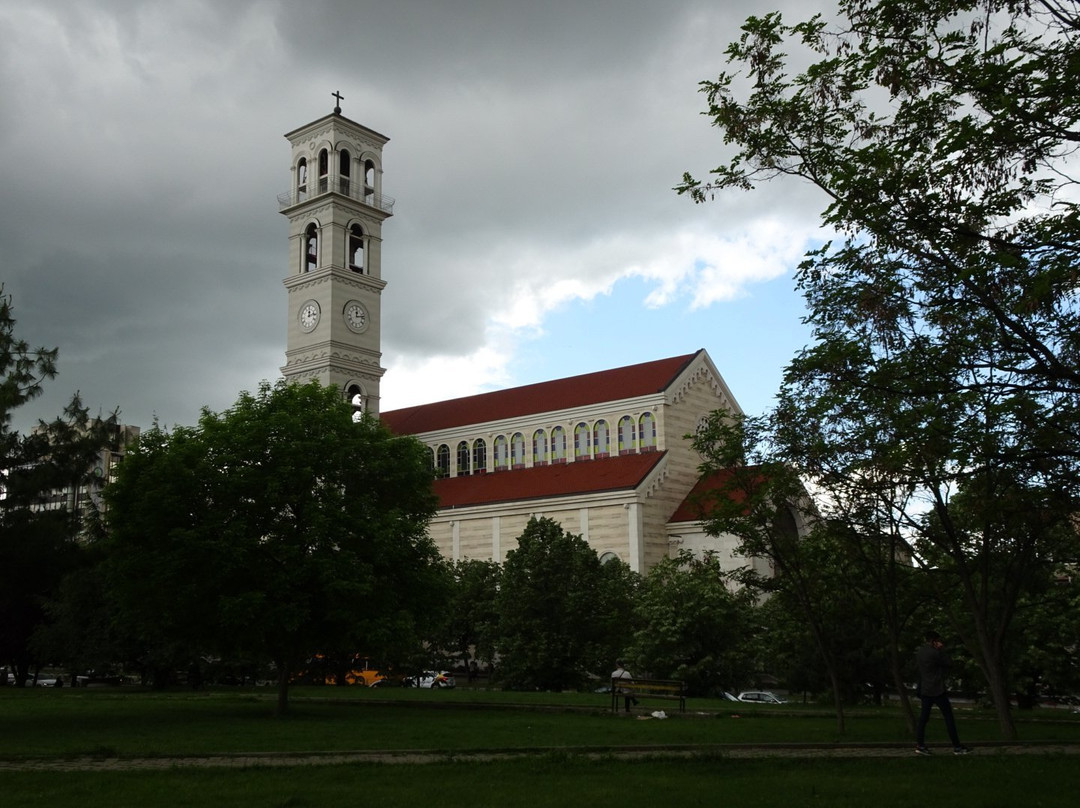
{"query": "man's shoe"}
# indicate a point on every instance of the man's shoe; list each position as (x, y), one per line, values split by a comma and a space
(961, 750)
(922, 750)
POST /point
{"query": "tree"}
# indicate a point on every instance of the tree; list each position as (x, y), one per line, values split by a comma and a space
(859, 529)
(1047, 659)
(38, 544)
(79, 630)
(553, 604)
(940, 133)
(696, 624)
(947, 326)
(617, 617)
(759, 498)
(472, 618)
(277, 529)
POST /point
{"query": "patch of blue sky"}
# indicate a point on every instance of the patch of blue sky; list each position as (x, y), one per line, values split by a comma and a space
(751, 337)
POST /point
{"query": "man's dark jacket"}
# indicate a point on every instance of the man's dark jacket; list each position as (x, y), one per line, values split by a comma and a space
(932, 662)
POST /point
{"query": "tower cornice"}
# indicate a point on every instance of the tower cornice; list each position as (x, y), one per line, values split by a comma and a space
(312, 280)
(334, 120)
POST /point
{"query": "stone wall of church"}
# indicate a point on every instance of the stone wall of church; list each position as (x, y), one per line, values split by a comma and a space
(473, 538)
(511, 525)
(609, 530)
(491, 531)
(465, 535)
(725, 547)
(700, 395)
(441, 532)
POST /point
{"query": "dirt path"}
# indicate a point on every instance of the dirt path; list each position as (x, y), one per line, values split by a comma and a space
(89, 763)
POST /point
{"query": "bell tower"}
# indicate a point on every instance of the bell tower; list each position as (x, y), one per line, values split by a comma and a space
(336, 208)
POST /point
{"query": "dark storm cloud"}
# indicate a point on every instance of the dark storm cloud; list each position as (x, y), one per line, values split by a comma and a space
(143, 152)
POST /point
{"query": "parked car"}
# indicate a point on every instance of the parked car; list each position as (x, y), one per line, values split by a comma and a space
(365, 673)
(430, 679)
(760, 697)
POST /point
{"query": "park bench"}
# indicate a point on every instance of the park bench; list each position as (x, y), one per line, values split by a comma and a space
(640, 689)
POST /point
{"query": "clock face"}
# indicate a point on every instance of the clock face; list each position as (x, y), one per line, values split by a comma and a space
(309, 315)
(355, 316)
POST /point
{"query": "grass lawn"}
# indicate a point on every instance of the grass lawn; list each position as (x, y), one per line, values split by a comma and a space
(61, 724)
(552, 780)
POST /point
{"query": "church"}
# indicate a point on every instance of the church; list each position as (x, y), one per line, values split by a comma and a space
(605, 454)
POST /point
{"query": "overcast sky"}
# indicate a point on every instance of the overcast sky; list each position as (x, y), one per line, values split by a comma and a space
(533, 149)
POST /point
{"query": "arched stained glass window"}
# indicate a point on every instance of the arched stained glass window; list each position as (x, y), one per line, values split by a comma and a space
(540, 448)
(647, 431)
(601, 439)
(442, 461)
(558, 445)
(502, 453)
(463, 459)
(480, 456)
(517, 451)
(581, 441)
(626, 435)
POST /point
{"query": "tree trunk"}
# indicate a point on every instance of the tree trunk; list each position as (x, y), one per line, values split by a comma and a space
(21, 669)
(282, 690)
(993, 670)
(898, 683)
(989, 654)
(999, 693)
(838, 699)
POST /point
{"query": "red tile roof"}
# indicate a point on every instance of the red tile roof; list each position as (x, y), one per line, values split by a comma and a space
(692, 508)
(623, 472)
(560, 394)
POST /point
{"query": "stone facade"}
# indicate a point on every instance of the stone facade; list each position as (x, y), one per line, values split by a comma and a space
(632, 484)
(336, 207)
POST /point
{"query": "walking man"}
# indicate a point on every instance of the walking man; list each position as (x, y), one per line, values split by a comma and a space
(933, 662)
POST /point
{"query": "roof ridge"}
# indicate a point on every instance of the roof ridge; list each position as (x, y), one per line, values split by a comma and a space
(568, 392)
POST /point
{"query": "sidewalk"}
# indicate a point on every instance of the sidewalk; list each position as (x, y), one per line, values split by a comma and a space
(729, 751)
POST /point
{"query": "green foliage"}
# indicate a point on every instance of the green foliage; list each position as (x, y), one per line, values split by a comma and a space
(559, 611)
(38, 545)
(1046, 652)
(22, 372)
(275, 530)
(938, 408)
(471, 617)
(79, 632)
(617, 617)
(697, 625)
(843, 581)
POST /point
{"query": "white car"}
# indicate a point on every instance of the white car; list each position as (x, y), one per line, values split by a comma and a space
(431, 679)
(760, 697)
